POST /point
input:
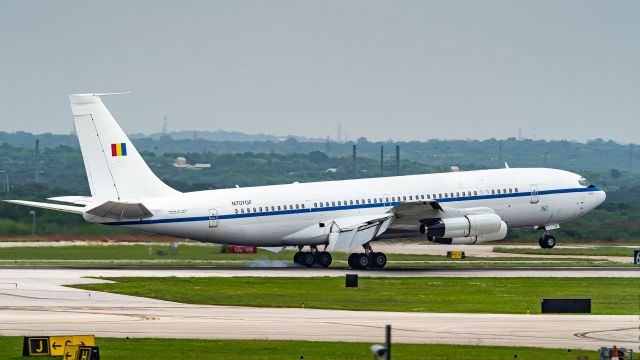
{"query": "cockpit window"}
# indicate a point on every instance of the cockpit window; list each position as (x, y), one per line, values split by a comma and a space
(584, 182)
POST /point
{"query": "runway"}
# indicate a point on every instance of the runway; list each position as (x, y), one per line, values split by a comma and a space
(35, 302)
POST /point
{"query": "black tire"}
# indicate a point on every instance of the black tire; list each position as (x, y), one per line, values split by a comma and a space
(362, 261)
(378, 260)
(307, 259)
(324, 259)
(297, 256)
(352, 260)
(549, 241)
(542, 243)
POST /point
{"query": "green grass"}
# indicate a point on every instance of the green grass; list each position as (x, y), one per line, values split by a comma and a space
(475, 295)
(187, 349)
(602, 251)
(189, 255)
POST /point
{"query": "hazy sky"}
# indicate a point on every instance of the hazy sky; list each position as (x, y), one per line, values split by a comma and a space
(383, 69)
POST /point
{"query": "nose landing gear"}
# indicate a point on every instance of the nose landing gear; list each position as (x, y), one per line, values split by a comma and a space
(547, 241)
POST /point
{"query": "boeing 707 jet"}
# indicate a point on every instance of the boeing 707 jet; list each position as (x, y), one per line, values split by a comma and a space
(468, 207)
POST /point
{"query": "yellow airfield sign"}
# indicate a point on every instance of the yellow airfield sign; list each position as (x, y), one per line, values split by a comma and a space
(58, 343)
(70, 352)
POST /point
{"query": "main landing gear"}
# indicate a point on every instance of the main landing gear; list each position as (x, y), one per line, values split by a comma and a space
(547, 241)
(313, 258)
(367, 260)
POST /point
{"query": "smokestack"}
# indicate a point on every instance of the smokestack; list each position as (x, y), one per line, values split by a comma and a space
(37, 179)
(381, 160)
(355, 169)
(397, 160)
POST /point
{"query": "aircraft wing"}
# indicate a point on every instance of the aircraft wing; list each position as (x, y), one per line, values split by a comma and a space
(408, 213)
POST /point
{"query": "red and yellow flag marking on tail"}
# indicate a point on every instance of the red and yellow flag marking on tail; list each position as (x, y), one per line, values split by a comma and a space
(119, 149)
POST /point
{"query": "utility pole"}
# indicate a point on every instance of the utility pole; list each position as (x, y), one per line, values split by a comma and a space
(6, 180)
(630, 157)
(381, 160)
(387, 342)
(355, 168)
(37, 178)
(397, 160)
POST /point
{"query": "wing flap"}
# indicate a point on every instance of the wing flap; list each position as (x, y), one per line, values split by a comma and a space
(349, 233)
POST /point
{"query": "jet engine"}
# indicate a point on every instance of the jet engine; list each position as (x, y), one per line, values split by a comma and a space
(468, 229)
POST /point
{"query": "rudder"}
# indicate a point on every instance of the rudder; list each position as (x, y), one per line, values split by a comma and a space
(115, 169)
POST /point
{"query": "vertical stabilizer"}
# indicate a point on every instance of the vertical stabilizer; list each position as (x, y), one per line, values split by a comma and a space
(115, 169)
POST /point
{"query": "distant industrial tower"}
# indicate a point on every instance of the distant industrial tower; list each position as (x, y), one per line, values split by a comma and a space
(165, 125)
(37, 156)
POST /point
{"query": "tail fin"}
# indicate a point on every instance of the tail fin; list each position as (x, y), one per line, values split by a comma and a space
(115, 169)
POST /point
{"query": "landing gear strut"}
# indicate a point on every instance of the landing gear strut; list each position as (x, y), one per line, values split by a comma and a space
(367, 260)
(547, 241)
(313, 258)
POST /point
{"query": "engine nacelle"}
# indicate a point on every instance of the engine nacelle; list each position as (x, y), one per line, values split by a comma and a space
(464, 226)
(470, 240)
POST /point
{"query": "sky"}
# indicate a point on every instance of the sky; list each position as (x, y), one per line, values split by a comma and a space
(401, 70)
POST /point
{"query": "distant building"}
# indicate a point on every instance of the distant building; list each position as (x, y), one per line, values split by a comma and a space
(181, 163)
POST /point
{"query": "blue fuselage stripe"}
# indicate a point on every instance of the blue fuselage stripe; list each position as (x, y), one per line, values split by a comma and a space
(345, 207)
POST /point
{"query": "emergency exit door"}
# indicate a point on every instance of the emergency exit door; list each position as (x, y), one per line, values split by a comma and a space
(213, 218)
(534, 194)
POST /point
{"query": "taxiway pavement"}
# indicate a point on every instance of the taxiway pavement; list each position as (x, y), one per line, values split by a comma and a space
(34, 301)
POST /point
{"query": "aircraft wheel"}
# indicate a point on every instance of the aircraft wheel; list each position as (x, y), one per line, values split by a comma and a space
(324, 259)
(297, 257)
(542, 243)
(549, 241)
(361, 261)
(378, 260)
(307, 259)
(352, 260)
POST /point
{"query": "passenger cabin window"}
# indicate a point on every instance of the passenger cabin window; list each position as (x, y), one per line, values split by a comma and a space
(236, 211)
(516, 189)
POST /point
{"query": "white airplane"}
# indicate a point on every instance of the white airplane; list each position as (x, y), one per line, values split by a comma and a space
(449, 208)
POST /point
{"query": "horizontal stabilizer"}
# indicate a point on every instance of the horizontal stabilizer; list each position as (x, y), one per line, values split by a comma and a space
(120, 211)
(57, 207)
(78, 200)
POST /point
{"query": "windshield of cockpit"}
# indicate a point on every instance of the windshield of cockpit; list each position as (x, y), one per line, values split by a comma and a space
(584, 182)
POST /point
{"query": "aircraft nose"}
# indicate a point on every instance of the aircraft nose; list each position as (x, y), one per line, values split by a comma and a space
(602, 196)
(599, 198)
